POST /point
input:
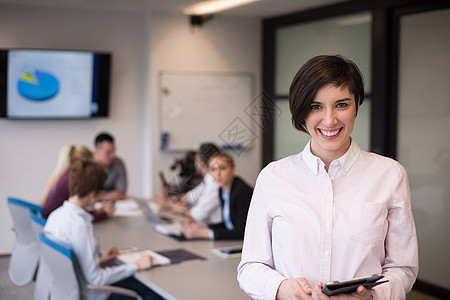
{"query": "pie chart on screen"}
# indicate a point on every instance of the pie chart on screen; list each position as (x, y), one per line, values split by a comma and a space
(38, 85)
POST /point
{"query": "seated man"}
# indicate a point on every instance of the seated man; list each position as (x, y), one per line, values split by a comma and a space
(71, 225)
(105, 154)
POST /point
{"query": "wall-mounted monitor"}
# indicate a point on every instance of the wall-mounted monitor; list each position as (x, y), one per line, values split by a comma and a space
(54, 84)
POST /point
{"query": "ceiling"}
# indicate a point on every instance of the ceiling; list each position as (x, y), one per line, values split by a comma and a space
(259, 9)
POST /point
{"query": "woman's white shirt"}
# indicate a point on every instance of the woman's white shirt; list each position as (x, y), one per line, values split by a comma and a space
(351, 221)
(205, 200)
(72, 226)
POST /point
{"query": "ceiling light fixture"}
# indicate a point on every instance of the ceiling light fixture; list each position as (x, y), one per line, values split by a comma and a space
(213, 6)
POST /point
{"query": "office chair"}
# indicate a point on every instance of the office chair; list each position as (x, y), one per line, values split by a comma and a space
(25, 253)
(43, 281)
(66, 279)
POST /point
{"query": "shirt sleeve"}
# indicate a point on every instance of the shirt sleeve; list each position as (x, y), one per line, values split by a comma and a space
(194, 194)
(401, 260)
(85, 248)
(207, 203)
(256, 274)
(121, 181)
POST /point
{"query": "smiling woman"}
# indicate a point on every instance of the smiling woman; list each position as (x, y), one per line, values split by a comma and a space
(333, 211)
(330, 122)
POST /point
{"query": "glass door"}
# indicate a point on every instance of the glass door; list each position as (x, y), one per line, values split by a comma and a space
(423, 143)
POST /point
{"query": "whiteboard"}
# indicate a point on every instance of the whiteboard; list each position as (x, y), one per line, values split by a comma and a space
(206, 107)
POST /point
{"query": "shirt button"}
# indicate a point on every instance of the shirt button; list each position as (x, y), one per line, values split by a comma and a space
(326, 253)
(332, 178)
(327, 224)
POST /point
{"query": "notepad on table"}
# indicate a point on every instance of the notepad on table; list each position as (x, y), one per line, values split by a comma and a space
(157, 259)
(127, 208)
(174, 228)
(123, 208)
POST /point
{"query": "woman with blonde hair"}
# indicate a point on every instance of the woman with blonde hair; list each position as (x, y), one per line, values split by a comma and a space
(56, 190)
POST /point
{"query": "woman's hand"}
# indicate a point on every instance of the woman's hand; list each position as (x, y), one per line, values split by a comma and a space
(193, 230)
(161, 201)
(108, 208)
(298, 288)
(144, 262)
(112, 196)
(361, 294)
(110, 253)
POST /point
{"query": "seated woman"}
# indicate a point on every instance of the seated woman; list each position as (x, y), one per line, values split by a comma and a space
(201, 203)
(71, 225)
(56, 190)
(235, 196)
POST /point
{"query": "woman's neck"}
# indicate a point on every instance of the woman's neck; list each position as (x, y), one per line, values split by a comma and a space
(80, 202)
(327, 157)
(227, 187)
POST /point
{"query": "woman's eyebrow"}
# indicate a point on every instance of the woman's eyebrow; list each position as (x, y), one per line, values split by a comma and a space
(344, 99)
(339, 100)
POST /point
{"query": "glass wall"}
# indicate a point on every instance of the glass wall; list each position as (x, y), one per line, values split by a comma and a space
(423, 143)
(348, 35)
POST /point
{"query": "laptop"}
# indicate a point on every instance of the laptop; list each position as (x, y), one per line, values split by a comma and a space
(159, 216)
(148, 212)
(169, 224)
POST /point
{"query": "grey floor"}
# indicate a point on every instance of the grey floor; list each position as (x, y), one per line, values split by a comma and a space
(8, 291)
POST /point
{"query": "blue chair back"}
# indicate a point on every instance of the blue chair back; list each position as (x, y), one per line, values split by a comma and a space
(25, 253)
(60, 261)
(43, 280)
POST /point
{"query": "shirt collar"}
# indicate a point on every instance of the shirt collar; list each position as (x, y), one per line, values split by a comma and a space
(346, 161)
(311, 161)
(79, 211)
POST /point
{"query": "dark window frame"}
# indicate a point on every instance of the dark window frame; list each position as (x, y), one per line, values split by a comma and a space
(385, 33)
(386, 15)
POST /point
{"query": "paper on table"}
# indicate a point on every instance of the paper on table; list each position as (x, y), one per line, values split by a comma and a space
(174, 228)
(127, 208)
(158, 259)
(124, 208)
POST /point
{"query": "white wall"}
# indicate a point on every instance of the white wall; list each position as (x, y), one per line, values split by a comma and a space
(29, 148)
(142, 45)
(220, 45)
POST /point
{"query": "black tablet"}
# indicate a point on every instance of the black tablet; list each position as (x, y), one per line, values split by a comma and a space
(350, 285)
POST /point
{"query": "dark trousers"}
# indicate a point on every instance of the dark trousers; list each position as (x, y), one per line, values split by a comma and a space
(135, 285)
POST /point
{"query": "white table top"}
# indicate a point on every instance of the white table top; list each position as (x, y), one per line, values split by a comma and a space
(213, 278)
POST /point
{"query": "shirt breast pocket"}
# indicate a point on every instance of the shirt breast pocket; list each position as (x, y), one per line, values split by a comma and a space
(367, 222)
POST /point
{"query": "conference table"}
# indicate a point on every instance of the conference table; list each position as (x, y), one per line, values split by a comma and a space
(212, 278)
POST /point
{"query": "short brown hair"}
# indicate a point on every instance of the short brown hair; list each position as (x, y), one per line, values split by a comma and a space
(225, 156)
(86, 177)
(314, 74)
